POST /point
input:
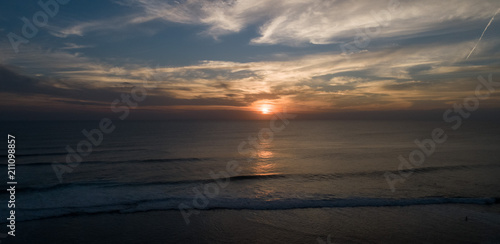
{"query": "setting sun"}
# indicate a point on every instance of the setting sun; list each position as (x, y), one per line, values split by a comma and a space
(265, 109)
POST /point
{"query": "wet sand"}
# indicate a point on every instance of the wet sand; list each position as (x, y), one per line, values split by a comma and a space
(410, 224)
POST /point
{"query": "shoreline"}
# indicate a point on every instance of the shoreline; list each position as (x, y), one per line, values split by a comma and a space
(409, 224)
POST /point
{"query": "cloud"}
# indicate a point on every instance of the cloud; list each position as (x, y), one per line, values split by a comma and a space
(75, 46)
(325, 22)
(298, 22)
(401, 77)
(80, 28)
(82, 94)
(316, 21)
(220, 16)
(260, 96)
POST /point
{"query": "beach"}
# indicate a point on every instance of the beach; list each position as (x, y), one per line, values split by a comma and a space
(411, 224)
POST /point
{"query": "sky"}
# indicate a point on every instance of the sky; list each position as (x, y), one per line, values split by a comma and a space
(245, 59)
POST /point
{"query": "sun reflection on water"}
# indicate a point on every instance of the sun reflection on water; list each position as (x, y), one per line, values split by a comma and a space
(264, 154)
(264, 161)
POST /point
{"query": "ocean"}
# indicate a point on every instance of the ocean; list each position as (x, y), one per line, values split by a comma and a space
(190, 167)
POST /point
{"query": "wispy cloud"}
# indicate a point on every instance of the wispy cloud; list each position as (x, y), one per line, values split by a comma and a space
(317, 22)
(82, 27)
(75, 46)
(293, 22)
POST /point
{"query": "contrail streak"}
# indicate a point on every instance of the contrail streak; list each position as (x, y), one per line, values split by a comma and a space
(488, 25)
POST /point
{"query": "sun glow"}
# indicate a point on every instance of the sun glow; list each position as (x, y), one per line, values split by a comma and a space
(265, 109)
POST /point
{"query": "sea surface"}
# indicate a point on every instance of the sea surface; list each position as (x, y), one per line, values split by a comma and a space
(161, 165)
